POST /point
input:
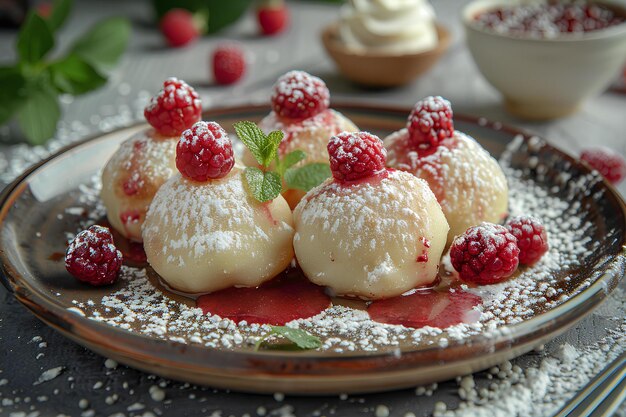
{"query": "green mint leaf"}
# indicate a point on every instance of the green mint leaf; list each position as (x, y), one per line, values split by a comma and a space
(290, 160)
(74, 75)
(264, 186)
(34, 40)
(307, 177)
(104, 43)
(39, 115)
(12, 92)
(60, 11)
(263, 147)
(270, 151)
(299, 338)
(255, 140)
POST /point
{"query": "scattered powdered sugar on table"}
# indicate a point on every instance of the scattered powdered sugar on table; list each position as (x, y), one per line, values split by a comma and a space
(510, 391)
(123, 112)
(141, 307)
(542, 386)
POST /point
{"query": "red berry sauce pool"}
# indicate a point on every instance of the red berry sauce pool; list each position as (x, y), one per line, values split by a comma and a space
(427, 308)
(548, 20)
(291, 296)
(276, 302)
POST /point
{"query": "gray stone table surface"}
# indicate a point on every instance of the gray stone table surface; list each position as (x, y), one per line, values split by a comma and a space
(86, 386)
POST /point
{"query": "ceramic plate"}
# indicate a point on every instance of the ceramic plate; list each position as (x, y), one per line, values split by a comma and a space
(584, 215)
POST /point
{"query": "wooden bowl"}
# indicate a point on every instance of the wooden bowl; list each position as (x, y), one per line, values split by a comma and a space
(375, 69)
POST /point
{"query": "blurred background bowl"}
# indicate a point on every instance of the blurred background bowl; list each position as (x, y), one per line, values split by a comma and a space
(543, 79)
(379, 69)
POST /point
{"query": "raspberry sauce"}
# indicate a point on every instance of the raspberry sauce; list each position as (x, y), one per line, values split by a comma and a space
(132, 251)
(279, 301)
(427, 308)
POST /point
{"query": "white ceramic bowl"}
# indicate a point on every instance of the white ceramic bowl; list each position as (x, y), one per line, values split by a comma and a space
(545, 78)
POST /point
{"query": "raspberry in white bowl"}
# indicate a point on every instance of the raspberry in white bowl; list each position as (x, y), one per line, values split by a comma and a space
(468, 182)
(146, 160)
(204, 231)
(300, 109)
(368, 232)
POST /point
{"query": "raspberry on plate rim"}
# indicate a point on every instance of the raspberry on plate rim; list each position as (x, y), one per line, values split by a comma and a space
(607, 162)
(299, 95)
(485, 254)
(532, 238)
(93, 258)
(355, 156)
(175, 108)
(204, 152)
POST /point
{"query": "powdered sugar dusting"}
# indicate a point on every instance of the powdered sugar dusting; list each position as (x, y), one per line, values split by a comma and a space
(141, 164)
(458, 172)
(172, 95)
(336, 205)
(182, 205)
(142, 307)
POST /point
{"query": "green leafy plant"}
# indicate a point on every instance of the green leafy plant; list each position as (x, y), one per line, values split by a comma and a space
(30, 89)
(266, 183)
(298, 339)
(217, 14)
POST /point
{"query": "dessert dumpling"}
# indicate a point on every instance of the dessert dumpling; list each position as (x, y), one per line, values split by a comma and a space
(204, 231)
(368, 232)
(146, 160)
(300, 109)
(468, 182)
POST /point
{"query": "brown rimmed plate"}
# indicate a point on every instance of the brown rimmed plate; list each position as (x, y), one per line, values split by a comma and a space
(34, 205)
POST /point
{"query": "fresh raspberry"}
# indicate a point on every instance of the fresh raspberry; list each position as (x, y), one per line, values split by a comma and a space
(430, 122)
(532, 238)
(607, 162)
(273, 17)
(485, 254)
(229, 64)
(44, 9)
(204, 152)
(93, 258)
(179, 27)
(176, 108)
(299, 95)
(354, 156)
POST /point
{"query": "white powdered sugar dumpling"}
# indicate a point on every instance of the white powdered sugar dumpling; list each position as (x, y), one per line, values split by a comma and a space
(467, 181)
(133, 175)
(204, 231)
(368, 232)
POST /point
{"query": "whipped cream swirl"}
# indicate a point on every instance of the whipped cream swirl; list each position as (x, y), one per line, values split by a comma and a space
(388, 26)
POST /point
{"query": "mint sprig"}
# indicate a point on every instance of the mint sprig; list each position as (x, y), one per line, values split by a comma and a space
(30, 89)
(307, 177)
(266, 183)
(298, 338)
